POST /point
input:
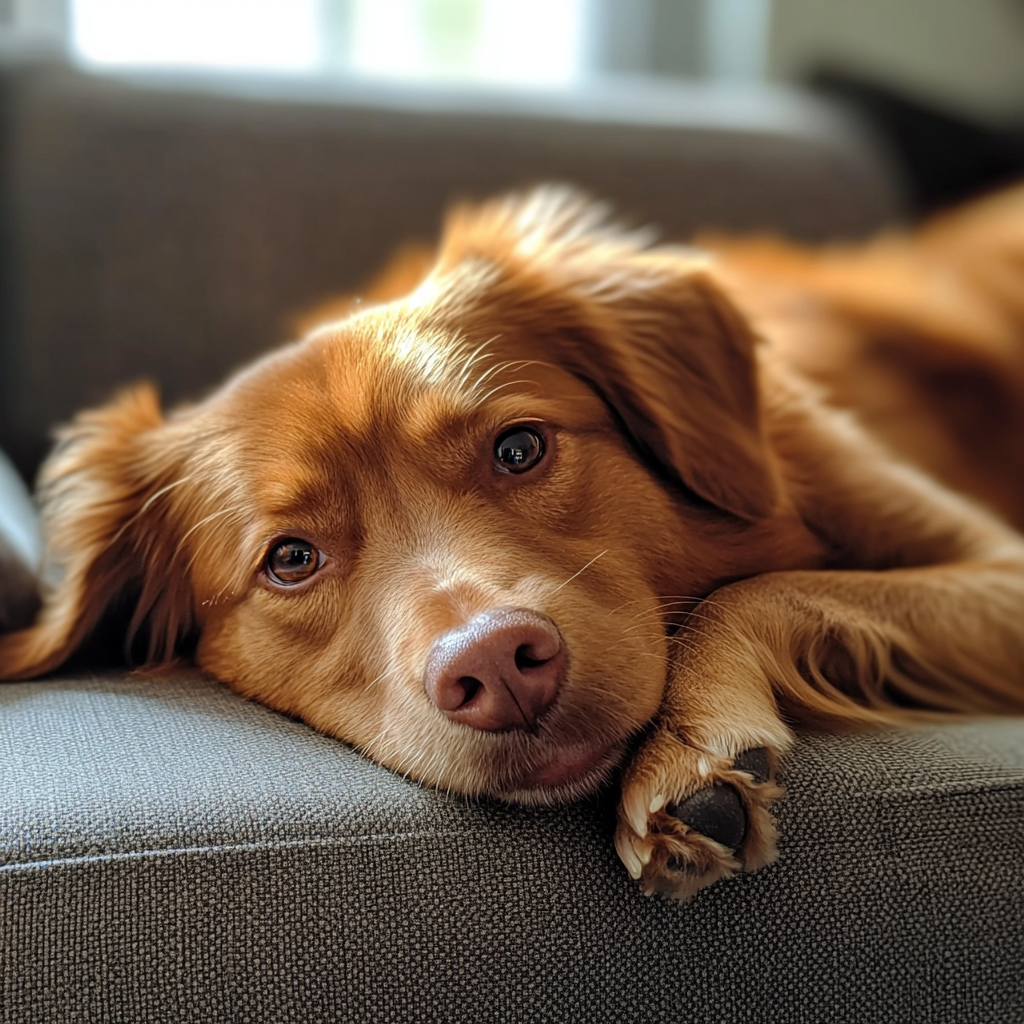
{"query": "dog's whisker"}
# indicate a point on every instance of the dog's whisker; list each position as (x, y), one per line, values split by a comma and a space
(230, 510)
(146, 505)
(579, 571)
(234, 515)
(512, 364)
(384, 675)
(474, 357)
(507, 384)
(666, 601)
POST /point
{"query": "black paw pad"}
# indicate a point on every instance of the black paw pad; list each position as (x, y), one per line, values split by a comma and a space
(755, 762)
(716, 812)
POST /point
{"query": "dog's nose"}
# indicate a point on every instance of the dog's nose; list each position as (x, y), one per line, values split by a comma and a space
(500, 671)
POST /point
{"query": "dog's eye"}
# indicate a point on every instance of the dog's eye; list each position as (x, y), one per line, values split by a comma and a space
(292, 561)
(519, 449)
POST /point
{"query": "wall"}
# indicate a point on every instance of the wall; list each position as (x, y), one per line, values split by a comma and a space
(966, 53)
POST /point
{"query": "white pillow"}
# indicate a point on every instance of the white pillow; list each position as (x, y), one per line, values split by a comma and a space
(21, 551)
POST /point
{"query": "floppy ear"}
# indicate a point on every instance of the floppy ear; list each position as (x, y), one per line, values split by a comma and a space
(105, 545)
(648, 327)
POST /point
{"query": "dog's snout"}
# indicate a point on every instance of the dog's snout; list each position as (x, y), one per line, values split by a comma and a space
(500, 671)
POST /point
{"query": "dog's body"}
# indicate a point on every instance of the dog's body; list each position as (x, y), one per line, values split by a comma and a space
(576, 498)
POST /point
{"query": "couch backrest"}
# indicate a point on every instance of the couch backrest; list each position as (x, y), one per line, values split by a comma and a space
(159, 230)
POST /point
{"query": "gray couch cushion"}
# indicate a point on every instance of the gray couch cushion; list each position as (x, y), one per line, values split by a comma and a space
(171, 852)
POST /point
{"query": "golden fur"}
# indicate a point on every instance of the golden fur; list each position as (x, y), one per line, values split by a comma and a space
(780, 488)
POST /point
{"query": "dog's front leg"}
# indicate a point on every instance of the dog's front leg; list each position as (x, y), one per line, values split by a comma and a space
(925, 612)
(833, 649)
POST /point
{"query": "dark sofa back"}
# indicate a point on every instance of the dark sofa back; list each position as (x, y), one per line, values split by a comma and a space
(159, 231)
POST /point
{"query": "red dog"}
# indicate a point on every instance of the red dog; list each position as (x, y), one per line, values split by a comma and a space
(577, 503)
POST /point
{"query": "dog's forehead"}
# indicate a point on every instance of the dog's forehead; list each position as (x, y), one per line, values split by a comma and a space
(351, 388)
(376, 367)
(352, 402)
(354, 375)
(367, 376)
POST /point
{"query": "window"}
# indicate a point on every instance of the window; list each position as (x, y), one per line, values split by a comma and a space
(264, 35)
(525, 41)
(517, 41)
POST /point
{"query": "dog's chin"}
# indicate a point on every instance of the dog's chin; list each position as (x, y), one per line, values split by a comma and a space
(571, 773)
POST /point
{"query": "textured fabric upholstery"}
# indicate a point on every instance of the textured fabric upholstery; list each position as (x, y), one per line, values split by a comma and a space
(171, 852)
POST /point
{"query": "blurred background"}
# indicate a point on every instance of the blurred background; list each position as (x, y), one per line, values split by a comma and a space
(966, 52)
(927, 73)
(181, 179)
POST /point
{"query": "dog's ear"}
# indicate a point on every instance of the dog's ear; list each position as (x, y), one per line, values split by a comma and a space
(106, 547)
(648, 327)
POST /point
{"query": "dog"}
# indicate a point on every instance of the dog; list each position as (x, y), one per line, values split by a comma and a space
(562, 505)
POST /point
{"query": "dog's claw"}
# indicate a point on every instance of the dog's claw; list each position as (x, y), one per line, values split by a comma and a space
(636, 815)
(644, 850)
(716, 812)
(754, 762)
(657, 802)
(628, 856)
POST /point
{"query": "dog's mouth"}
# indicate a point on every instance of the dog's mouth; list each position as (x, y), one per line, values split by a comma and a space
(569, 773)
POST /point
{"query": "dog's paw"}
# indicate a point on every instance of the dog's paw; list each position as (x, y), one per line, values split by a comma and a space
(688, 817)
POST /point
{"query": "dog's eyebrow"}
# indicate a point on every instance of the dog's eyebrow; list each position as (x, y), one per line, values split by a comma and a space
(425, 353)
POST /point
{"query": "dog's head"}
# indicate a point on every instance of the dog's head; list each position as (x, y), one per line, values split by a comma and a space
(454, 530)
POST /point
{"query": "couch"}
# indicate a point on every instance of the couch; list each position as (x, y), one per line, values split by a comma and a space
(172, 852)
